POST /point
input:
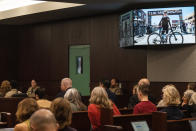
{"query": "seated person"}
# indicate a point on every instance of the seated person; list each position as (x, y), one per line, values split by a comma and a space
(133, 100)
(43, 120)
(192, 105)
(24, 111)
(32, 89)
(114, 86)
(186, 98)
(99, 99)
(145, 106)
(5, 87)
(14, 89)
(106, 85)
(171, 99)
(62, 111)
(39, 96)
(66, 84)
(73, 96)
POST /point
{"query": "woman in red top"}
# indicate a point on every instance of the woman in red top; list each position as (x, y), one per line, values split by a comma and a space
(99, 99)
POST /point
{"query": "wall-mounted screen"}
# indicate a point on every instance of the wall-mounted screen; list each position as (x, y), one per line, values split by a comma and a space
(158, 26)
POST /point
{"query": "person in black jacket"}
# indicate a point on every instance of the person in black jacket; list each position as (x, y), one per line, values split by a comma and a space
(171, 98)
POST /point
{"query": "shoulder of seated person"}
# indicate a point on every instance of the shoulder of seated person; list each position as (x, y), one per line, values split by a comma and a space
(21, 127)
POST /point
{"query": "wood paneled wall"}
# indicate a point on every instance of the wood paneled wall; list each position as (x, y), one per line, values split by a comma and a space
(43, 52)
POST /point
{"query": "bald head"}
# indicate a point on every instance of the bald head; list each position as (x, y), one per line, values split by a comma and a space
(43, 120)
(144, 81)
(66, 83)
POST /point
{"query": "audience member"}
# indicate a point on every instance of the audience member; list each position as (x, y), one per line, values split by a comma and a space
(14, 89)
(66, 84)
(5, 87)
(114, 86)
(187, 97)
(146, 82)
(32, 89)
(133, 100)
(40, 97)
(73, 96)
(191, 86)
(171, 99)
(145, 106)
(106, 84)
(99, 99)
(25, 109)
(43, 120)
(192, 103)
(63, 114)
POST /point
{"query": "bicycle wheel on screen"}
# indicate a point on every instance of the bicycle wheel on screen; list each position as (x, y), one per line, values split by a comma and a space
(154, 39)
(176, 38)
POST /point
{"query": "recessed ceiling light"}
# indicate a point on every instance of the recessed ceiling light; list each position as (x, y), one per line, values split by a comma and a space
(13, 4)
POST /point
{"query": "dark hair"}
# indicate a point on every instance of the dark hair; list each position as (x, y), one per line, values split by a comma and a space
(14, 84)
(192, 85)
(106, 83)
(40, 92)
(144, 89)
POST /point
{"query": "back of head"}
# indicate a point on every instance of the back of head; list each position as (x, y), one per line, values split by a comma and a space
(14, 84)
(99, 97)
(106, 84)
(73, 96)
(43, 120)
(192, 100)
(40, 92)
(62, 111)
(26, 108)
(171, 95)
(66, 83)
(191, 86)
(144, 89)
(144, 81)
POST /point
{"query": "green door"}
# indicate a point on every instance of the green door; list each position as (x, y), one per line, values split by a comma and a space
(79, 68)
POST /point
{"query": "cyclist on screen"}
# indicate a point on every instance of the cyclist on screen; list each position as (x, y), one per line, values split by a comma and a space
(165, 23)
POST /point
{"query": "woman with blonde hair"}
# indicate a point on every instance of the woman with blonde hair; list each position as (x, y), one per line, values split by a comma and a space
(5, 87)
(62, 111)
(171, 99)
(99, 100)
(25, 109)
(73, 96)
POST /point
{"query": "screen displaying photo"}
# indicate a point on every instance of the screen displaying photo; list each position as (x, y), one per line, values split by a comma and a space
(160, 26)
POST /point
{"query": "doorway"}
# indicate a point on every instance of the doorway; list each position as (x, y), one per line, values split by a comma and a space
(79, 68)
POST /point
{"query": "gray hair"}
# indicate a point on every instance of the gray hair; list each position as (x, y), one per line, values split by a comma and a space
(193, 99)
(73, 96)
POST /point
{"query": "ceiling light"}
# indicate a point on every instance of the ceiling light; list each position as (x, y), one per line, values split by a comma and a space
(13, 4)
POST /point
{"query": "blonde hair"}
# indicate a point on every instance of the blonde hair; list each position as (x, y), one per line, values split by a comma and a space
(171, 95)
(192, 99)
(99, 97)
(188, 94)
(62, 112)
(26, 108)
(5, 87)
(73, 96)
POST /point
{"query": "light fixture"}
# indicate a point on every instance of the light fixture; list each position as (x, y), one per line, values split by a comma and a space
(13, 4)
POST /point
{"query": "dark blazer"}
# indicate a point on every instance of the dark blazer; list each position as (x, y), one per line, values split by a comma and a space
(173, 112)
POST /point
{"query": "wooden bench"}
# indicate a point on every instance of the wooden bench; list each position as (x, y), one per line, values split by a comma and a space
(125, 120)
(80, 121)
(125, 111)
(10, 105)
